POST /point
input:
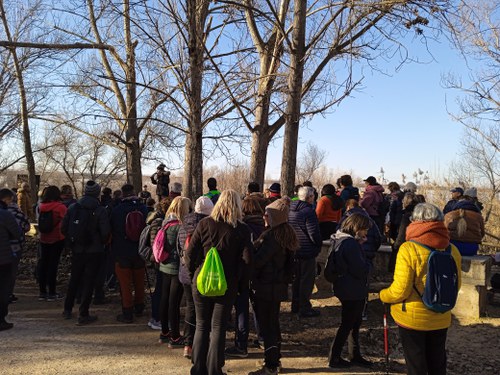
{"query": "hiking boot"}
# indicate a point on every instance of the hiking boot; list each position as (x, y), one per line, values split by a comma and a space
(42, 296)
(259, 343)
(84, 320)
(67, 314)
(262, 363)
(54, 297)
(154, 324)
(175, 343)
(264, 370)
(309, 314)
(126, 316)
(4, 326)
(360, 361)
(139, 309)
(339, 363)
(164, 338)
(236, 352)
(188, 351)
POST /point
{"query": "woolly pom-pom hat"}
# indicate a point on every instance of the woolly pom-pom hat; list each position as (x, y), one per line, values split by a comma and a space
(275, 188)
(92, 189)
(277, 212)
(203, 205)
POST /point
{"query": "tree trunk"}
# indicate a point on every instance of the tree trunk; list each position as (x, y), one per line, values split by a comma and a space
(28, 150)
(187, 181)
(133, 148)
(260, 144)
(289, 160)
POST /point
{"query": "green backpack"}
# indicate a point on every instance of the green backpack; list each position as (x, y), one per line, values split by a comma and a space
(211, 281)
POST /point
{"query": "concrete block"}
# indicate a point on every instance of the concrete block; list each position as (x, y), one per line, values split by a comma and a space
(472, 302)
(476, 270)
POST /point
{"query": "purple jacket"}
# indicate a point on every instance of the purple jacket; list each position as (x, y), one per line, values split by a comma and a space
(372, 198)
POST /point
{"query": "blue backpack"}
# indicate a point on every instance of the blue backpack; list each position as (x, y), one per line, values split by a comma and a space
(441, 286)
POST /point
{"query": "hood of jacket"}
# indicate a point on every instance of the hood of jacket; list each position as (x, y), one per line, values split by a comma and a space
(465, 204)
(89, 202)
(377, 188)
(49, 206)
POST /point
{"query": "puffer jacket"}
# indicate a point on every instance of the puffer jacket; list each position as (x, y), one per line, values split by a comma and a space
(411, 273)
(171, 265)
(304, 221)
(235, 251)
(187, 228)
(269, 279)
(352, 284)
(9, 230)
(473, 218)
(24, 224)
(371, 199)
(99, 227)
(58, 211)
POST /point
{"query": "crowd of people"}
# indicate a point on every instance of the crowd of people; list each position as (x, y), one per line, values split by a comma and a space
(266, 242)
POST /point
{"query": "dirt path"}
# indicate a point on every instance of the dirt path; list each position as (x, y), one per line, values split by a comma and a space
(43, 343)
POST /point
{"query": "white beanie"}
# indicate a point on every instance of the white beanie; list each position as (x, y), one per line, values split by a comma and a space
(410, 187)
(472, 192)
(203, 205)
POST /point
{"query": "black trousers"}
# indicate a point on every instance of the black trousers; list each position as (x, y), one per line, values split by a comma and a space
(5, 279)
(303, 284)
(50, 254)
(170, 304)
(212, 315)
(84, 272)
(267, 313)
(424, 351)
(351, 321)
(190, 316)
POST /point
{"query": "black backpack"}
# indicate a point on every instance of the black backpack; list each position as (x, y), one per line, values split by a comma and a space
(334, 262)
(46, 222)
(80, 227)
(383, 207)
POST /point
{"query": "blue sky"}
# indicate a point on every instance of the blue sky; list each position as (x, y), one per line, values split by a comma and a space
(399, 122)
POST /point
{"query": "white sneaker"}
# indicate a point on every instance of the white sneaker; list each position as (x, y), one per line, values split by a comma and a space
(154, 324)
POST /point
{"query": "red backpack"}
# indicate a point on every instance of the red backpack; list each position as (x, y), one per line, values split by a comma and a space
(134, 224)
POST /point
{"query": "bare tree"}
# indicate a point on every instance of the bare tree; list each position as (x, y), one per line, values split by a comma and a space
(310, 161)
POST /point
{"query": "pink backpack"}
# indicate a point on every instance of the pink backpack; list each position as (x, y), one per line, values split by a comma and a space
(160, 252)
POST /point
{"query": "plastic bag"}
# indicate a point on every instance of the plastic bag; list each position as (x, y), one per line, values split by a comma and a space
(211, 281)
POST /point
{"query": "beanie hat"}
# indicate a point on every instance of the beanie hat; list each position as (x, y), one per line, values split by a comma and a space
(176, 187)
(472, 192)
(203, 205)
(275, 188)
(410, 187)
(277, 212)
(92, 189)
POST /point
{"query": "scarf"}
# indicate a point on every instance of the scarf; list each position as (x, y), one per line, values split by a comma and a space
(430, 233)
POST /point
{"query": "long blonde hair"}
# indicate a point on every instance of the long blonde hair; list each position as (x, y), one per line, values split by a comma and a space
(179, 207)
(462, 223)
(228, 208)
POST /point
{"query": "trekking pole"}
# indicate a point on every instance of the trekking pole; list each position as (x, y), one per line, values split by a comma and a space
(386, 340)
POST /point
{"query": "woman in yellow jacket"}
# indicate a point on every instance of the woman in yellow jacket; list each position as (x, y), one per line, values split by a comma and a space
(422, 331)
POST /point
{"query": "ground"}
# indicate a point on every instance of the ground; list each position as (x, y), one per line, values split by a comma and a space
(43, 343)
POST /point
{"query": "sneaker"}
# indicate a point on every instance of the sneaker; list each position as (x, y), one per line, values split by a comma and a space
(13, 298)
(42, 296)
(164, 338)
(264, 370)
(175, 343)
(339, 363)
(259, 344)
(84, 320)
(54, 297)
(188, 351)
(236, 352)
(67, 314)
(262, 363)
(309, 314)
(4, 326)
(154, 324)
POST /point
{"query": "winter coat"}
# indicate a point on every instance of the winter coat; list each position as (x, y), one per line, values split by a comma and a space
(235, 251)
(58, 211)
(271, 269)
(186, 230)
(304, 221)
(325, 210)
(171, 265)
(99, 227)
(261, 200)
(373, 237)
(161, 181)
(349, 192)
(121, 245)
(9, 231)
(396, 209)
(24, 202)
(450, 205)
(475, 223)
(256, 224)
(24, 224)
(407, 307)
(213, 195)
(405, 221)
(372, 197)
(353, 267)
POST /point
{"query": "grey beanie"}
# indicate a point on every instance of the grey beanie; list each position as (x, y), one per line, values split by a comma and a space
(92, 189)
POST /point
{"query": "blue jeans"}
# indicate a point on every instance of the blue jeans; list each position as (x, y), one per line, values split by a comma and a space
(241, 329)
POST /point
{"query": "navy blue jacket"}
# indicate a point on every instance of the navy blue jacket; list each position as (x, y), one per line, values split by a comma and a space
(121, 245)
(304, 221)
(9, 230)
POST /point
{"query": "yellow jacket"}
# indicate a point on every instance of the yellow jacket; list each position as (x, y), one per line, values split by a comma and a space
(411, 269)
